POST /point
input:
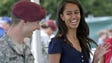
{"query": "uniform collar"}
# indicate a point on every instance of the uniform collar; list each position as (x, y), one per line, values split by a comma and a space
(18, 48)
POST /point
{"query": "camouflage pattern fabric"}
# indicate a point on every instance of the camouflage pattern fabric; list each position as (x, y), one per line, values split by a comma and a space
(11, 52)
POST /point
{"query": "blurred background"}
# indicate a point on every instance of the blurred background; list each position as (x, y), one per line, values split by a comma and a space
(91, 7)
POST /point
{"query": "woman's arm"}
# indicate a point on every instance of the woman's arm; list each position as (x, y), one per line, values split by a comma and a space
(54, 58)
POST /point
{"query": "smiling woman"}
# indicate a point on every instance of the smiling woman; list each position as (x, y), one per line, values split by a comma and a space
(72, 43)
(71, 15)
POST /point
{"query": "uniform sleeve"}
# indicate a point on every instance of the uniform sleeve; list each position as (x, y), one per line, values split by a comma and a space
(55, 46)
(2, 57)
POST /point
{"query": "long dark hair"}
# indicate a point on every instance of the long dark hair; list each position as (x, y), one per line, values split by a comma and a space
(82, 30)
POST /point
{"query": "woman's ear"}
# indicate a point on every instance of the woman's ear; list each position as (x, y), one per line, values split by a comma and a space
(61, 16)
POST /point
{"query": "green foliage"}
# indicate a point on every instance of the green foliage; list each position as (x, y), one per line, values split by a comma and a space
(102, 8)
(50, 6)
(94, 7)
(97, 7)
(5, 7)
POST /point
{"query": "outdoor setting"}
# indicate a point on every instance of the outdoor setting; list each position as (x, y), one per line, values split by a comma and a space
(56, 31)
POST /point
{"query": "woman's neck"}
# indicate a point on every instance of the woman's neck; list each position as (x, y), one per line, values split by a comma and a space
(72, 37)
(72, 33)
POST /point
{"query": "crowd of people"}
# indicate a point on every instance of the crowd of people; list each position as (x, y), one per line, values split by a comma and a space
(65, 40)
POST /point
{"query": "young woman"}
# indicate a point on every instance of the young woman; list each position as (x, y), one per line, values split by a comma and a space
(72, 44)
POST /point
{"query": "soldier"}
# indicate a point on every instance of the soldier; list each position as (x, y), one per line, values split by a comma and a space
(25, 19)
(47, 29)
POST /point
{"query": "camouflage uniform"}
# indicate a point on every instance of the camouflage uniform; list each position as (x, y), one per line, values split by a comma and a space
(11, 52)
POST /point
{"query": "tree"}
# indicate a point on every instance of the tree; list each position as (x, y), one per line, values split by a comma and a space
(102, 8)
(97, 7)
(5, 7)
(50, 6)
(94, 7)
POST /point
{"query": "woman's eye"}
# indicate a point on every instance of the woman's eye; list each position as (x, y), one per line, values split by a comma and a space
(69, 13)
(76, 12)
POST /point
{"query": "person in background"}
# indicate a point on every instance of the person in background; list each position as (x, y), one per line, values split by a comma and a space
(72, 43)
(5, 23)
(47, 28)
(109, 33)
(47, 31)
(107, 58)
(103, 35)
(25, 19)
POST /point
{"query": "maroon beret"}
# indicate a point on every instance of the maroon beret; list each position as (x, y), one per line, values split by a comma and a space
(52, 25)
(28, 11)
